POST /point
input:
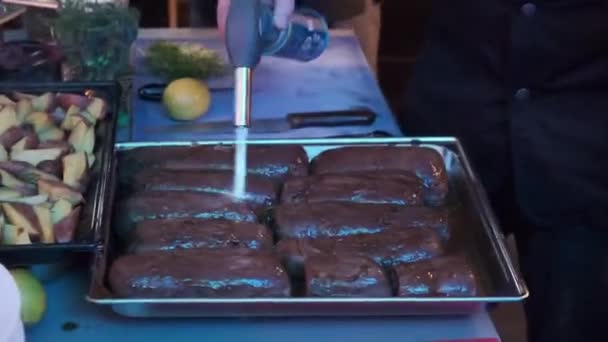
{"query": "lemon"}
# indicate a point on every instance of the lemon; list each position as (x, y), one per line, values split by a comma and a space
(187, 99)
(33, 297)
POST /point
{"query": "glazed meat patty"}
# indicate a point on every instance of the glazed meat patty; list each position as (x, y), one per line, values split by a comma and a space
(340, 219)
(260, 191)
(387, 249)
(449, 276)
(177, 234)
(371, 188)
(276, 162)
(199, 274)
(345, 276)
(153, 205)
(424, 162)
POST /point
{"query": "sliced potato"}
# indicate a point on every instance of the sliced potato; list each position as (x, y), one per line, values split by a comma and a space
(8, 194)
(22, 215)
(29, 141)
(46, 224)
(82, 138)
(97, 108)
(91, 159)
(44, 102)
(8, 119)
(66, 227)
(32, 200)
(35, 157)
(41, 121)
(12, 182)
(52, 134)
(65, 147)
(58, 190)
(72, 118)
(11, 136)
(75, 167)
(3, 154)
(14, 235)
(52, 167)
(60, 210)
(26, 172)
(89, 118)
(24, 108)
(23, 96)
(5, 101)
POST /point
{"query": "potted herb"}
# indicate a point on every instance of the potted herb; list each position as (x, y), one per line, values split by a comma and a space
(96, 38)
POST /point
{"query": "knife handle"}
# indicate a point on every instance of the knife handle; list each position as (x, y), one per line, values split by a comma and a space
(152, 92)
(353, 117)
(374, 134)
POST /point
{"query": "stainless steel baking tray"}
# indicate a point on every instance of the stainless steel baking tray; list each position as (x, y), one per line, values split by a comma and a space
(88, 236)
(474, 228)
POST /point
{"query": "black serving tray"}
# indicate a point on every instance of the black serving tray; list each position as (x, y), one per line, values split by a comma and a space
(96, 210)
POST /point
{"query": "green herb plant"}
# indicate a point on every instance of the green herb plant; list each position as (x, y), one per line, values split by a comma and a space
(96, 37)
(172, 61)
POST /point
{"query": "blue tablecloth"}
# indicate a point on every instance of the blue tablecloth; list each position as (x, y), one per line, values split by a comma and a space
(339, 80)
(67, 308)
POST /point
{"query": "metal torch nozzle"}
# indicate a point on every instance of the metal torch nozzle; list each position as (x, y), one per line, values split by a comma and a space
(242, 97)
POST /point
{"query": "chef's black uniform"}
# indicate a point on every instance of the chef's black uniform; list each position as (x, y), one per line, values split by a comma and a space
(524, 85)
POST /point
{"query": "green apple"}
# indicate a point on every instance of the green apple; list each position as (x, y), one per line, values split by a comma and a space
(33, 297)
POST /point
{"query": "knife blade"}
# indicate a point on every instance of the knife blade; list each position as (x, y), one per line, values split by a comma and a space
(353, 117)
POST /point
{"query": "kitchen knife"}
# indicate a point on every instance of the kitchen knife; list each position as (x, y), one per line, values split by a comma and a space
(353, 117)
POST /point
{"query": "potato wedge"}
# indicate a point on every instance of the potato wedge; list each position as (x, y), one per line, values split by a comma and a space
(12, 182)
(75, 169)
(11, 136)
(66, 100)
(40, 121)
(58, 190)
(72, 117)
(89, 118)
(91, 159)
(8, 119)
(44, 102)
(65, 228)
(31, 200)
(35, 157)
(53, 167)
(3, 154)
(14, 235)
(60, 210)
(24, 108)
(82, 138)
(23, 96)
(6, 101)
(97, 108)
(51, 134)
(46, 224)
(22, 215)
(65, 147)
(8, 194)
(29, 141)
(26, 172)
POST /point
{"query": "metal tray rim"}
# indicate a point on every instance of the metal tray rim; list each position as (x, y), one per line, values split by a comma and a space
(298, 300)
